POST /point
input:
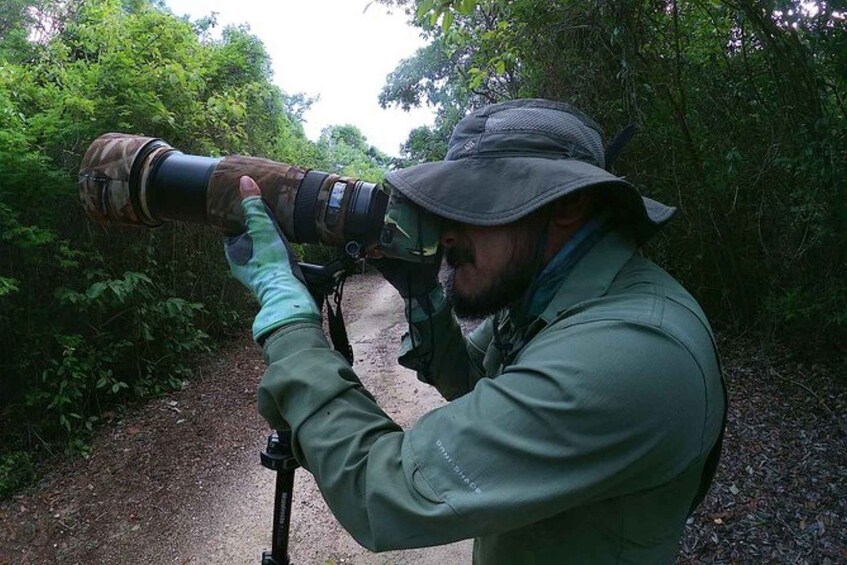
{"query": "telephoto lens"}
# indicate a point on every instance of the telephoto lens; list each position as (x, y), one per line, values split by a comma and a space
(128, 179)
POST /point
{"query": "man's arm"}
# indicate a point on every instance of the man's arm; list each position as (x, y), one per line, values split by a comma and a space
(624, 410)
(438, 352)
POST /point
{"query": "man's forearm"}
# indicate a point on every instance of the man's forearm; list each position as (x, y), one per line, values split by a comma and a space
(357, 454)
(437, 351)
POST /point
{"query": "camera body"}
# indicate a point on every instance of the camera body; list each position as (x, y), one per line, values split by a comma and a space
(143, 181)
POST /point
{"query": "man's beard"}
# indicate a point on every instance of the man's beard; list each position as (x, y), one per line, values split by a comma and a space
(506, 288)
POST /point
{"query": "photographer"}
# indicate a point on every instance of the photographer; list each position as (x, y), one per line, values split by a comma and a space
(585, 411)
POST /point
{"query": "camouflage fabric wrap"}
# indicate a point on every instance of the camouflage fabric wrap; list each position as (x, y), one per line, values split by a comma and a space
(278, 182)
(331, 232)
(104, 178)
(409, 231)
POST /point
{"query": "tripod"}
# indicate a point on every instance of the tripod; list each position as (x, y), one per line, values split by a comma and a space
(322, 281)
(279, 457)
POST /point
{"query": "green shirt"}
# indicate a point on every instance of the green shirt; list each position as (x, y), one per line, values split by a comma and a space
(585, 443)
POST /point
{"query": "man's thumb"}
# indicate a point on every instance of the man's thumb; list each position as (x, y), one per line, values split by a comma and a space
(248, 187)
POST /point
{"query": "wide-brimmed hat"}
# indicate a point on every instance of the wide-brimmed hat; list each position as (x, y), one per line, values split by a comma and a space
(506, 160)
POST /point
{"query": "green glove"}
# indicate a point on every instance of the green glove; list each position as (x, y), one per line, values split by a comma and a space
(262, 261)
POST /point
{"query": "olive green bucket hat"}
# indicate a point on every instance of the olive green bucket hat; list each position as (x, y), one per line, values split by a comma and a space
(506, 160)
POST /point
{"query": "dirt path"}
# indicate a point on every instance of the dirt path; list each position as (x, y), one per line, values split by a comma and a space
(179, 480)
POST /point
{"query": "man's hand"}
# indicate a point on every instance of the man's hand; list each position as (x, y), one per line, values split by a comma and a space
(261, 260)
(417, 283)
(411, 280)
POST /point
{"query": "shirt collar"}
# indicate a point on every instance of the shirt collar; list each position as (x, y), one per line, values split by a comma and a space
(593, 274)
(589, 274)
(550, 279)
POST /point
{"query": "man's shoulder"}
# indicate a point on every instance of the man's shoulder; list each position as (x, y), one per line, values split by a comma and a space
(643, 340)
(641, 293)
(642, 298)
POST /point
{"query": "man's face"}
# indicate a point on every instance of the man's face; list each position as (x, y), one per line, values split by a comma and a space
(489, 268)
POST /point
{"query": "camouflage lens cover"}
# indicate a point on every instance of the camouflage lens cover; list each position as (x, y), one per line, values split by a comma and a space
(105, 189)
(410, 232)
(277, 181)
(280, 184)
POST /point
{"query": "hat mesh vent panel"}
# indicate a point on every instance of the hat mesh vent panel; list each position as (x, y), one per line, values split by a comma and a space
(551, 122)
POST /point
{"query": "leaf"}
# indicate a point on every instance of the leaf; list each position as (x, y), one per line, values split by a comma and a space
(447, 21)
(466, 7)
(8, 286)
(96, 290)
(424, 9)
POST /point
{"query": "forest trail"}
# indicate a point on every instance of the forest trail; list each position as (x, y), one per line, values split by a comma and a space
(179, 481)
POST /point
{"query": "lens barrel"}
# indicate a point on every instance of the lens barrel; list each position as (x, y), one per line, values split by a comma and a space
(127, 179)
(179, 184)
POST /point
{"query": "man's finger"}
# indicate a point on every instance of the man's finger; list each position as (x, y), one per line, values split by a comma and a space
(248, 187)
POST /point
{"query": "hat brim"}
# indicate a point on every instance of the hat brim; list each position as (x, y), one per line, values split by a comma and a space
(499, 190)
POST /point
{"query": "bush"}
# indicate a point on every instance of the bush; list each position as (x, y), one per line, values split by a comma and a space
(97, 316)
(136, 344)
(17, 471)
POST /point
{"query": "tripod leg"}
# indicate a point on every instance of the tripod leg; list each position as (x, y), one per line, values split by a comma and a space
(279, 457)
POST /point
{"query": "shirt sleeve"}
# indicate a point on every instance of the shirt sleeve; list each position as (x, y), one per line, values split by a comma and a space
(441, 356)
(585, 413)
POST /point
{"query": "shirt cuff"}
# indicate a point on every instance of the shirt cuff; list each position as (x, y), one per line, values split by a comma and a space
(304, 373)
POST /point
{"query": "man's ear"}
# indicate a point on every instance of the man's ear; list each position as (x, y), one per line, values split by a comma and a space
(571, 210)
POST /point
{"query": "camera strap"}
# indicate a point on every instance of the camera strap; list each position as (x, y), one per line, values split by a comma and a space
(335, 321)
(326, 285)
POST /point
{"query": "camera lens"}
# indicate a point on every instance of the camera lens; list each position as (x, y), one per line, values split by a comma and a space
(134, 180)
(179, 184)
(305, 207)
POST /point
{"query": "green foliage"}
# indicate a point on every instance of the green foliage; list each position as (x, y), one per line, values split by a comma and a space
(133, 344)
(344, 150)
(743, 127)
(17, 471)
(97, 316)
